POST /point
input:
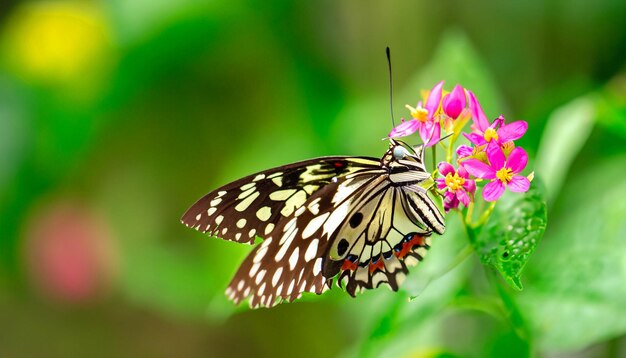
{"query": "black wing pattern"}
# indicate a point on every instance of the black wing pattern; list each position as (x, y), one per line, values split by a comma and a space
(255, 204)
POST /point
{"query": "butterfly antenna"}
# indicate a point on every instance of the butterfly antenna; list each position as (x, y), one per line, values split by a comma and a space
(393, 122)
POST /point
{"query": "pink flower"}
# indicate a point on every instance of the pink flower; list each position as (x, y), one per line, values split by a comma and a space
(425, 119)
(502, 171)
(483, 132)
(454, 102)
(458, 186)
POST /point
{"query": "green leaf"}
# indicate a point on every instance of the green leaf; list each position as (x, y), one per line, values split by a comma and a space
(567, 130)
(512, 233)
(576, 283)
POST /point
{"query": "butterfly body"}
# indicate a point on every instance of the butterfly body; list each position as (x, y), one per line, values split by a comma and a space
(362, 220)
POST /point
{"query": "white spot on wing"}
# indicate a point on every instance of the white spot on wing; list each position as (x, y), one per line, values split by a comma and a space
(276, 276)
(317, 267)
(269, 228)
(259, 254)
(259, 177)
(314, 225)
(245, 203)
(260, 276)
(198, 216)
(285, 242)
(241, 223)
(218, 220)
(215, 202)
(293, 259)
(311, 251)
(281, 195)
(294, 202)
(254, 269)
(251, 233)
(211, 211)
(264, 213)
(247, 186)
(278, 181)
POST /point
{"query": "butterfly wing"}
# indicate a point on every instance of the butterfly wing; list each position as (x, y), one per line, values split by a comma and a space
(362, 227)
(381, 237)
(255, 204)
(290, 259)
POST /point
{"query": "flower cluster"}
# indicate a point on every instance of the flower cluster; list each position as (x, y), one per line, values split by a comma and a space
(490, 155)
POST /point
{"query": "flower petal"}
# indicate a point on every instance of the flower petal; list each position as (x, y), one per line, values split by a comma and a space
(404, 129)
(463, 197)
(464, 151)
(454, 102)
(479, 169)
(493, 190)
(517, 160)
(495, 155)
(450, 201)
(512, 131)
(475, 138)
(462, 172)
(430, 133)
(441, 183)
(519, 184)
(445, 168)
(470, 186)
(478, 116)
(434, 98)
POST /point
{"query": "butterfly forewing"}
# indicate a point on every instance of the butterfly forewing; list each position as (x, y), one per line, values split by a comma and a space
(253, 205)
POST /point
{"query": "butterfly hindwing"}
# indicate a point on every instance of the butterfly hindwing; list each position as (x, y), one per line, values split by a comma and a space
(253, 205)
(387, 236)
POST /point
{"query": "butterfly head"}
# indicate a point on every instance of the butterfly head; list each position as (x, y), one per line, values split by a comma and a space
(404, 163)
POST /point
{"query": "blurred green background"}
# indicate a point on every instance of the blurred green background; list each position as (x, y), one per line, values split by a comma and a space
(115, 116)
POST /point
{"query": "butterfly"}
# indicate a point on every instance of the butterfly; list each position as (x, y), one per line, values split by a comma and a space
(362, 221)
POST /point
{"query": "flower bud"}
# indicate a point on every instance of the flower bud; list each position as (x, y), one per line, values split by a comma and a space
(454, 102)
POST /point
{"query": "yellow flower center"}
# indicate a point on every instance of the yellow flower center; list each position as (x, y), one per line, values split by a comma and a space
(505, 175)
(490, 134)
(454, 182)
(419, 113)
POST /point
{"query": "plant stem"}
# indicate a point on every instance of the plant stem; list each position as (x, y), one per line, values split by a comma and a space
(483, 219)
(470, 213)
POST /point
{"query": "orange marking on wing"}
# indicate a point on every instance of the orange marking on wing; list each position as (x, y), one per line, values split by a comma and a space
(348, 265)
(408, 246)
(378, 265)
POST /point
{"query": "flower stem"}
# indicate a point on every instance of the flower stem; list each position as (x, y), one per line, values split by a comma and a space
(470, 213)
(485, 216)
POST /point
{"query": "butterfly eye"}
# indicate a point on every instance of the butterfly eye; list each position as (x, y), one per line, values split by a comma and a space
(399, 152)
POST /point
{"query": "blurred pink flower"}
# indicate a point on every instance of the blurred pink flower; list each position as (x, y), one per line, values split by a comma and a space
(502, 171)
(458, 186)
(69, 254)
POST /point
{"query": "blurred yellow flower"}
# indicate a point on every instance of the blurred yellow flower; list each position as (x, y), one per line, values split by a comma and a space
(56, 41)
